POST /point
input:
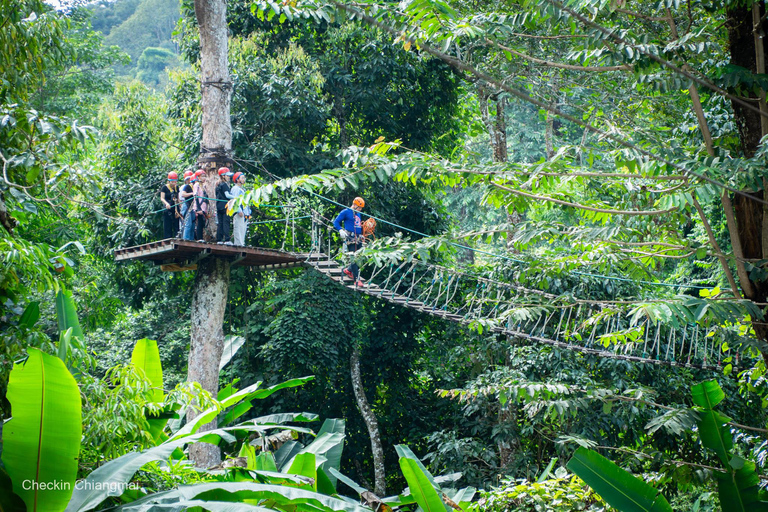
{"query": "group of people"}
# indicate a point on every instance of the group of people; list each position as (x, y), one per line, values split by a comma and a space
(188, 209)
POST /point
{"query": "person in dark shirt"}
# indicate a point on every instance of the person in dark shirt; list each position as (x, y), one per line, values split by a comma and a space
(223, 195)
(186, 194)
(350, 228)
(169, 196)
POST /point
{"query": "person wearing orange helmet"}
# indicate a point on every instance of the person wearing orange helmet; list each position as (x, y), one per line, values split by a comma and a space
(169, 196)
(350, 229)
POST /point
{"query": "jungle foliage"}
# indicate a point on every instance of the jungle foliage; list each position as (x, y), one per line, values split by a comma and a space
(556, 146)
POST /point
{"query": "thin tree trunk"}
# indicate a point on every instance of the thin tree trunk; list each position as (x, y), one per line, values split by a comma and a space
(209, 299)
(380, 485)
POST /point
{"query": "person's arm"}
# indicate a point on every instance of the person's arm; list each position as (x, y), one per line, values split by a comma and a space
(227, 193)
(338, 220)
(165, 201)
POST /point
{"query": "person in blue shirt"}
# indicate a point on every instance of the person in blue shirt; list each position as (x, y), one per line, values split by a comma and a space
(350, 228)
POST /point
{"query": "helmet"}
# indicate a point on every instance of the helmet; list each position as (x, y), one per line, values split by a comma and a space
(224, 170)
(369, 227)
(199, 172)
(236, 176)
(359, 202)
(188, 174)
(172, 176)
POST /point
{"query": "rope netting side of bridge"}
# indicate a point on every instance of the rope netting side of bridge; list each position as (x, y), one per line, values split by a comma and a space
(494, 303)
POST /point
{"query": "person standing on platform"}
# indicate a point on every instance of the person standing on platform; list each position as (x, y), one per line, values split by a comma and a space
(169, 195)
(223, 195)
(186, 195)
(199, 204)
(350, 228)
(239, 216)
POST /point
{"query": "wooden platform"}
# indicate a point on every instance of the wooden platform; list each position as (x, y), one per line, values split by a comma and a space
(175, 254)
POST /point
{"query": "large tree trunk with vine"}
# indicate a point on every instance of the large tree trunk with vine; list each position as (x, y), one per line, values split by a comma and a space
(209, 298)
(380, 483)
(749, 231)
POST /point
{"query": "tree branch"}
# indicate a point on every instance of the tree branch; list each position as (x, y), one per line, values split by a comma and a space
(594, 69)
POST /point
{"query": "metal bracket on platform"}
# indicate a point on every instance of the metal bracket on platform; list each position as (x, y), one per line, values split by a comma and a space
(203, 254)
(239, 258)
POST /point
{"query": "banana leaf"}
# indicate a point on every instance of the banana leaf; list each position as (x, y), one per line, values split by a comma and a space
(281, 497)
(304, 464)
(403, 451)
(66, 313)
(9, 500)
(231, 345)
(712, 431)
(333, 425)
(348, 481)
(421, 488)
(42, 440)
(181, 506)
(31, 315)
(619, 488)
(146, 357)
(112, 478)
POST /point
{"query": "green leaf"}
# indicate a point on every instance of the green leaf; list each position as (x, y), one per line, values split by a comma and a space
(324, 484)
(9, 500)
(231, 345)
(304, 464)
(66, 313)
(403, 451)
(712, 431)
(146, 357)
(265, 462)
(348, 481)
(619, 488)
(110, 479)
(740, 488)
(284, 497)
(333, 425)
(421, 487)
(42, 440)
(31, 315)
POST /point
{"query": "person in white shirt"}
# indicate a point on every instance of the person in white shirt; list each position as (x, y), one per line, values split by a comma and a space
(243, 212)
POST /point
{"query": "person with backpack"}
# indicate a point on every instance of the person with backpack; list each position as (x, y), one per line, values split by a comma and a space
(186, 195)
(223, 195)
(239, 216)
(169, 196)
(350, 228)
(200, 203)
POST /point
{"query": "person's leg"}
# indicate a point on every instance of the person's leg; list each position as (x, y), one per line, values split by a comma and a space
(353, 267)
(221, 217)
(239, 225)
(199, 227)
(227, 237)
(168, 224)
(189, 225)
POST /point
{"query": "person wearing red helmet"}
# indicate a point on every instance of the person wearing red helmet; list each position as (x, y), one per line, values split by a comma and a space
(200, 203)
(186, 194)
(223, 195)
(239, 216)
(350, 228)
(169, 196)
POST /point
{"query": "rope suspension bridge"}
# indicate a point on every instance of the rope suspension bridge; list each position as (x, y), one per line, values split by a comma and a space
(484, 303)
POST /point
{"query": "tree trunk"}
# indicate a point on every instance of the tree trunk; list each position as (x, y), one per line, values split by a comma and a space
(749, 226)
(380, 486)
(209, 299)
(209, 303)
(216, 146)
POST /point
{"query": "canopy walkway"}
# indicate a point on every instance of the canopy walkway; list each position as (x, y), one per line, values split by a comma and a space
(487, 304)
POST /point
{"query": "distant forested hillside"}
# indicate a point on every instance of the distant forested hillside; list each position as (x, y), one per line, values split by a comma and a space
(143, 29)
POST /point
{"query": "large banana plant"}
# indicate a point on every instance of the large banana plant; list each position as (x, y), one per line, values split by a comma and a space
(41, 442)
